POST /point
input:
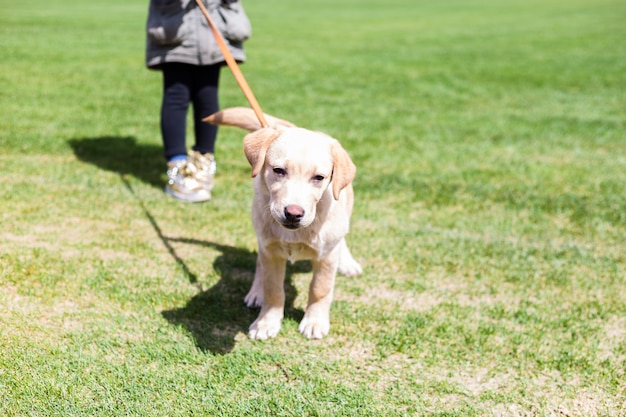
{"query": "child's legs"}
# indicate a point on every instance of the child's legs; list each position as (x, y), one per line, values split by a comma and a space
(205, 102)
(176, 95)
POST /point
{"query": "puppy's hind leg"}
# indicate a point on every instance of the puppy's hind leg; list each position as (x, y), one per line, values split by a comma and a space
(348, 266)
(254, 298)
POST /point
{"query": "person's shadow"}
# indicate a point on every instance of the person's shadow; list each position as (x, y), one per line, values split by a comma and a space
(124, 156)
(215, 316)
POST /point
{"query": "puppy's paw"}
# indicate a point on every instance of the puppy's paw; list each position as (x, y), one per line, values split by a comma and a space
(254, 298)
(314, 327)
(264, 328)
(349, 267)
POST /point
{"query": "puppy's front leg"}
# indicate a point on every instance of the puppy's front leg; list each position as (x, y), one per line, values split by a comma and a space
(272, 275)
(316, 321)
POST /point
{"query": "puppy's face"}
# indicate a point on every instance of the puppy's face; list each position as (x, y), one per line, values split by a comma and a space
(298, 167)
(297, 171)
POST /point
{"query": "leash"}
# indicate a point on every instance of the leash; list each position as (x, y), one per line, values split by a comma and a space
(234, 67)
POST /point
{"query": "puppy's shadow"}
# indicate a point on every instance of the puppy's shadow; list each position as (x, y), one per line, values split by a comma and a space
(215, 316)
(124, 155)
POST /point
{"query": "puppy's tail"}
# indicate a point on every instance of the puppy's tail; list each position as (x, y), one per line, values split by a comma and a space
(244, 118)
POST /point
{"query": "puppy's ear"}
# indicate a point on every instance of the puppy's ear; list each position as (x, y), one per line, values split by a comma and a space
(255, 146)
(344, 169)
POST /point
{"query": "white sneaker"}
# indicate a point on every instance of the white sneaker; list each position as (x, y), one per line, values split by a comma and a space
(205, 166)
(182, 183)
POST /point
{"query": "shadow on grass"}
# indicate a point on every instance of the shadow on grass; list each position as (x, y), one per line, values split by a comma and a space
(124, 156)
(216, 315)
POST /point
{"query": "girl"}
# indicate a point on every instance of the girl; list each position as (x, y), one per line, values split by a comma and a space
(180, 44)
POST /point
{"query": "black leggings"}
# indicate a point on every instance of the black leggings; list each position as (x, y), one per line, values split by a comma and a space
(184, 84)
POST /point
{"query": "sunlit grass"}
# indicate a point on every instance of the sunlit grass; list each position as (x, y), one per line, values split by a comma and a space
(490, 216)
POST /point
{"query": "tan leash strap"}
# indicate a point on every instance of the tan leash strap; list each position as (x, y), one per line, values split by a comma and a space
(234, 67)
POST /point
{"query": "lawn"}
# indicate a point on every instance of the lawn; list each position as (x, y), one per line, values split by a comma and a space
(490, 215)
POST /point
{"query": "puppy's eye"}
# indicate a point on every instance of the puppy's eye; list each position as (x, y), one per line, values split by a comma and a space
(280, 172)
(318, 178)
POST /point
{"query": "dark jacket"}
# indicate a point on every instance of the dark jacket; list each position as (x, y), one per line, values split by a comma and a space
(177, 31)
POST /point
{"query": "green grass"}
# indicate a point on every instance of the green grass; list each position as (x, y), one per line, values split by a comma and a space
(490, 141)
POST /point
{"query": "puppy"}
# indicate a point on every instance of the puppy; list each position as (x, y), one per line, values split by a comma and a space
(301, 209)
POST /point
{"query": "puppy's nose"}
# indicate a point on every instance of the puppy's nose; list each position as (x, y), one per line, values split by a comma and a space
(294, 212)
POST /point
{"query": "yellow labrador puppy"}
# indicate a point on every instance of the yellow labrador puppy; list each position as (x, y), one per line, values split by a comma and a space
(301, 210)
